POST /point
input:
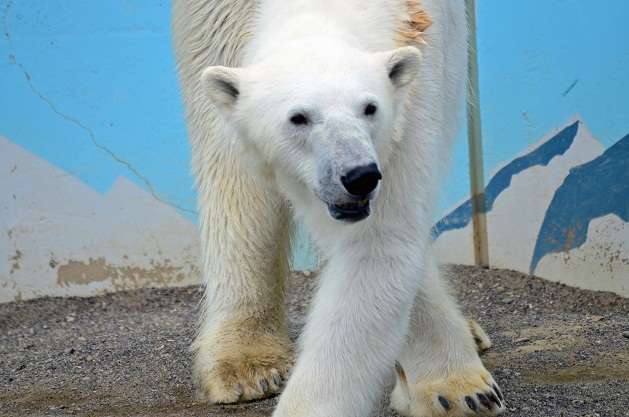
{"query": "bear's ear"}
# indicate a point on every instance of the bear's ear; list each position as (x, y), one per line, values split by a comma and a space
(221, 84)
(402, 65)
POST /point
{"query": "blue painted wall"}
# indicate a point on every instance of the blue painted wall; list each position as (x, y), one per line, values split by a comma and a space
(90, 86)
(541, 63)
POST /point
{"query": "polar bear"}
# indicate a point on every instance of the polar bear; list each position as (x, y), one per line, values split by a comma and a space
(340, 114)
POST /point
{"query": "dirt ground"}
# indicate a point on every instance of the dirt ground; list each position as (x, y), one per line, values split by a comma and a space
(558, 351)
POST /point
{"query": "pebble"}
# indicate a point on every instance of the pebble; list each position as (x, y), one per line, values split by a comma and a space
(506, 300)
(70, 319)
(522, 340)
(480, 286)
(500, 289)
(306, 273)
(508, 372)
(625, 334)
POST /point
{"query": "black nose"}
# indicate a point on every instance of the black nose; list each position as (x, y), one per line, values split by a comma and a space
(362, 180)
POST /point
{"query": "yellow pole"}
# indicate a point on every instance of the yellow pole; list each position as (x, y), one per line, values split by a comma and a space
(475, 143)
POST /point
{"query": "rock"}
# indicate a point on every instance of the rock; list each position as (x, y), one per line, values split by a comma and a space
(506, 300)
(625, 334)
(500, 289)
(522, 340)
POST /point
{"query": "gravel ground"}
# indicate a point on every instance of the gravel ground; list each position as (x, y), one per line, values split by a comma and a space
(558, 351)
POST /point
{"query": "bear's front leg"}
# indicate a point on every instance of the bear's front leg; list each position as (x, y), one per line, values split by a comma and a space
(439, 372)
(356, 327)
(242, 350)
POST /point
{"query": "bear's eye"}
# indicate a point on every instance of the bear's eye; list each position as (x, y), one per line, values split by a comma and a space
(370, 109)
(299, 119)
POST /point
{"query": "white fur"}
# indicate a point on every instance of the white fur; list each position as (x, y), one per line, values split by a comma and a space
(328, 60)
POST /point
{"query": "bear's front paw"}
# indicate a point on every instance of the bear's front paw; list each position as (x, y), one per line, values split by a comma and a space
(469, 393)
(240, 372)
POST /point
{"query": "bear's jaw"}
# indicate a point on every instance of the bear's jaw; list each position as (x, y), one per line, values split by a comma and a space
(350, 212)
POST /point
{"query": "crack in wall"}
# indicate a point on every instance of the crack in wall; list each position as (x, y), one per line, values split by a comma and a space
(74, 121)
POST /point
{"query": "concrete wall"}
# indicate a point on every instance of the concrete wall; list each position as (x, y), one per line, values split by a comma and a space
(95, 192)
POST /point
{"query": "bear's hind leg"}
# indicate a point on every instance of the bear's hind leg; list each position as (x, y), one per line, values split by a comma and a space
(439, 372)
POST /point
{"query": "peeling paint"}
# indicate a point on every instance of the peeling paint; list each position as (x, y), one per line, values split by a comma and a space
(16, 263)
(122, 277)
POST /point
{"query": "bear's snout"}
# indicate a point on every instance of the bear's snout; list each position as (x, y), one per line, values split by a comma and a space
(361, 180)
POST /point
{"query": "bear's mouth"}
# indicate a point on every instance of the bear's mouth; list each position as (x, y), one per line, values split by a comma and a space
(349, 211)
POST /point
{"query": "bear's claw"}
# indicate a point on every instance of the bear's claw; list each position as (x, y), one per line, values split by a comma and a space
(277, 380)
(471, 403)
(265, 386)
(494, 398)
(484, 400)
(444, 402)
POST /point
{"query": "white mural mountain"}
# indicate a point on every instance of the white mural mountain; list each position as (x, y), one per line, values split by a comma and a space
(518, 196)
(59, 237)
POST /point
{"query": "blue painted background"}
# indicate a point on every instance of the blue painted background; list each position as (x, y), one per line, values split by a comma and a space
(542, 62)
(90, 86)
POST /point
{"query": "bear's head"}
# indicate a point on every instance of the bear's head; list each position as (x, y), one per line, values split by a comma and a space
(319, 116)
